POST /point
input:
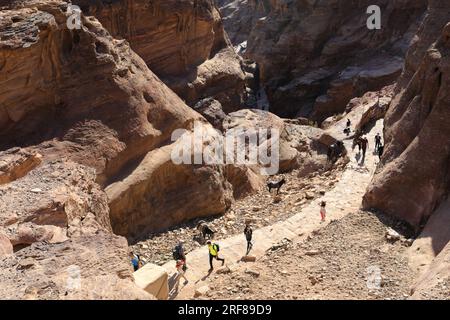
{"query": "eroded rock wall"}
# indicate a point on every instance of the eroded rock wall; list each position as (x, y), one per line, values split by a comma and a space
(183, 42)
(414, 176)
(314, 56)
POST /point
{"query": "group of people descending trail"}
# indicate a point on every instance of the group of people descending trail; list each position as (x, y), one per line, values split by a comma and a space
(213, 250)
(363, 144)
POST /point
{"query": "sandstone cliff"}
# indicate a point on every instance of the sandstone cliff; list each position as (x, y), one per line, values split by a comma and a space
(57, 211)
(413, 178)
(316, 56)
(87, 100)
(183, 42)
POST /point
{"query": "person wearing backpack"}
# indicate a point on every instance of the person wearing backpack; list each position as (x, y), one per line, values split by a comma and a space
(213, 254)
(181, 270)
(178, 252)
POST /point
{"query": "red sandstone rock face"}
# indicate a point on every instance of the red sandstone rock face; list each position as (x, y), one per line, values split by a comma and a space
(57, 211)
(87, 267)
(85, 101)
(111, 126)
(127, 113)
(316, 56)
(414, 177)
(183, 42)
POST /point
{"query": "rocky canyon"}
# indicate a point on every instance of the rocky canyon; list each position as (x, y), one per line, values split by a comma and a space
(108, 129)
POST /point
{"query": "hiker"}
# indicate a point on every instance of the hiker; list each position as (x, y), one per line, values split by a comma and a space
(323, 211)
(248, 232)
(364, 145)
(377, 141)
(335, 151)
(347, 131)
(181, 270)
(135, 261)
(380, 151)
(357, 142)
(178, 252)
(349, 123)
(213, 254)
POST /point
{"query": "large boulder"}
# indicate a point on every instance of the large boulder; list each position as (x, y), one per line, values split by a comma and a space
(299, 146)
(160, 193)
(154, 280)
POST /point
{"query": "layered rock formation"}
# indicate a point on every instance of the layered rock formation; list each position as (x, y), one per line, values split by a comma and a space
(92, 108)
(57, 210)
(414, 178)
(316, 56)
(127, 113)
(16, 163)
(87, 267)
(183, 42)
(111, 126)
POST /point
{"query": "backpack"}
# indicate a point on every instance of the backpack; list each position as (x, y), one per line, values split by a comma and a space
(216, 247)
(176, 253)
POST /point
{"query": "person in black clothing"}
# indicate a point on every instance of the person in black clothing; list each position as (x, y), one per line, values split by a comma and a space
(364, 146)
(179, 252)
(380, 151)
(377, 141)
(248, 232)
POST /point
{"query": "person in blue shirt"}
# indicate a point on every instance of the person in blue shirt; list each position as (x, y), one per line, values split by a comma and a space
(135, 261)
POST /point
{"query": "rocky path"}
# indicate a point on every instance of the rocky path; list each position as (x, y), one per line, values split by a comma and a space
(343, 199)
(351, 258)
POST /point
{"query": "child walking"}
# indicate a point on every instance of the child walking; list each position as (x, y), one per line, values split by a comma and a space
(323, 210)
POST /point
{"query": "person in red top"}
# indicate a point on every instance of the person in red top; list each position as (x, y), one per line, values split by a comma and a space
(181, 269)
